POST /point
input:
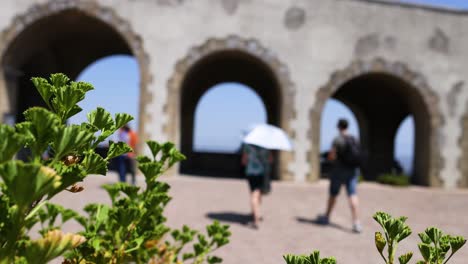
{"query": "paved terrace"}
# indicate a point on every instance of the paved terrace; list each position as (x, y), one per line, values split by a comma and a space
(289, 212)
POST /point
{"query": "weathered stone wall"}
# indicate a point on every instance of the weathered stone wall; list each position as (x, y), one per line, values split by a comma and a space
(312, 39)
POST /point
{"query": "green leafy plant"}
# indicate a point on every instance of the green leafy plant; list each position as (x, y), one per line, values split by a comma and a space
(394, 179)
(28, 185)
(313, 258)
(435, 246)
(131, 229)
(395, 230)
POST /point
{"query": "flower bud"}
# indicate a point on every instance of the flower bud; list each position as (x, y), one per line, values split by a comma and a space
(76, 188)
(380, 241)
(70, 160)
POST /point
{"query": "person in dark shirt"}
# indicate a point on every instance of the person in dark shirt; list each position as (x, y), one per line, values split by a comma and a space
(342, 174)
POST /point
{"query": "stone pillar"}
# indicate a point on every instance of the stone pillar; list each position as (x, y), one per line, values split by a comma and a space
(4, 102)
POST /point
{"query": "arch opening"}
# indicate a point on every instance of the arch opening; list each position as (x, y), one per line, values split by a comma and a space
(223, 115)
(221, 67)
(381, 102)
(382, 95)
(67, 41)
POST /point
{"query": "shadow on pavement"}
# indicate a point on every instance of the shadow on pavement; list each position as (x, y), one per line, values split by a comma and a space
(316, 222)
(231, 217)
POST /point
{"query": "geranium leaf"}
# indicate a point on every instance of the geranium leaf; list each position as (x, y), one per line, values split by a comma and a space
(94, 164)
(117, 149)
(101, 119)
(43, 127)
(54, 244)
(45, 89)
(28, 182)
(10, 142)
(70, 139)
(122, 119)
(59, 79)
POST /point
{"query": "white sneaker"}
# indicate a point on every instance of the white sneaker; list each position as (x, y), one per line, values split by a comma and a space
(357, 228)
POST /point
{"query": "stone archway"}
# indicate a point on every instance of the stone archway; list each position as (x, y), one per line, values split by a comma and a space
(395, 71)
(243, 47)
(105, 15)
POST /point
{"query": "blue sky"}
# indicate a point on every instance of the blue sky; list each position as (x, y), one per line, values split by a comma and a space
(225, 111)
(116, 83)
(455, 4)
(221, 123)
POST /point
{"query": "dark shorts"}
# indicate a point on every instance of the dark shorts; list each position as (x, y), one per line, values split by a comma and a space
(255, 182)
(343, 176)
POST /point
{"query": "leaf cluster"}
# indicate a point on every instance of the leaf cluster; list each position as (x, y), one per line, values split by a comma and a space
(395, 230)
(130, 230)
(59, 156)
(313, 258)
(133, 227)
(435, 246)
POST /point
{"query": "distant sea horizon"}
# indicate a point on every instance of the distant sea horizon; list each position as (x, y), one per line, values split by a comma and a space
(406, 161)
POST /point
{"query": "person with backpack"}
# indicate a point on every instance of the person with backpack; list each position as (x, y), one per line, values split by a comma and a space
(257, 162)
(346, 157)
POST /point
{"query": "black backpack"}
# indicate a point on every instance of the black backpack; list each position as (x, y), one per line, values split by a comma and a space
(350, 154)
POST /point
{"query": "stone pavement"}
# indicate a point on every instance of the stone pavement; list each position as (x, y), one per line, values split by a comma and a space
(289, 212)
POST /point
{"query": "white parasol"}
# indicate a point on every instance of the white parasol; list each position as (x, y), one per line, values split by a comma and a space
(269, 137)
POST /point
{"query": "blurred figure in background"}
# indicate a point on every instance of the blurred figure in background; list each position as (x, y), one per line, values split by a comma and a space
(346, 157)
(257, 162)
(126, 162)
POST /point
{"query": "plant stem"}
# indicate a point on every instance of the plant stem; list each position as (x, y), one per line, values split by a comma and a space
(449, 258)
(385, 260)
(36, 208)
(390, 252)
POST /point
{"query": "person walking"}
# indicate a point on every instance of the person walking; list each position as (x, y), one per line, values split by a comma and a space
(126, 163)
(346, 157)
(257, 162)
